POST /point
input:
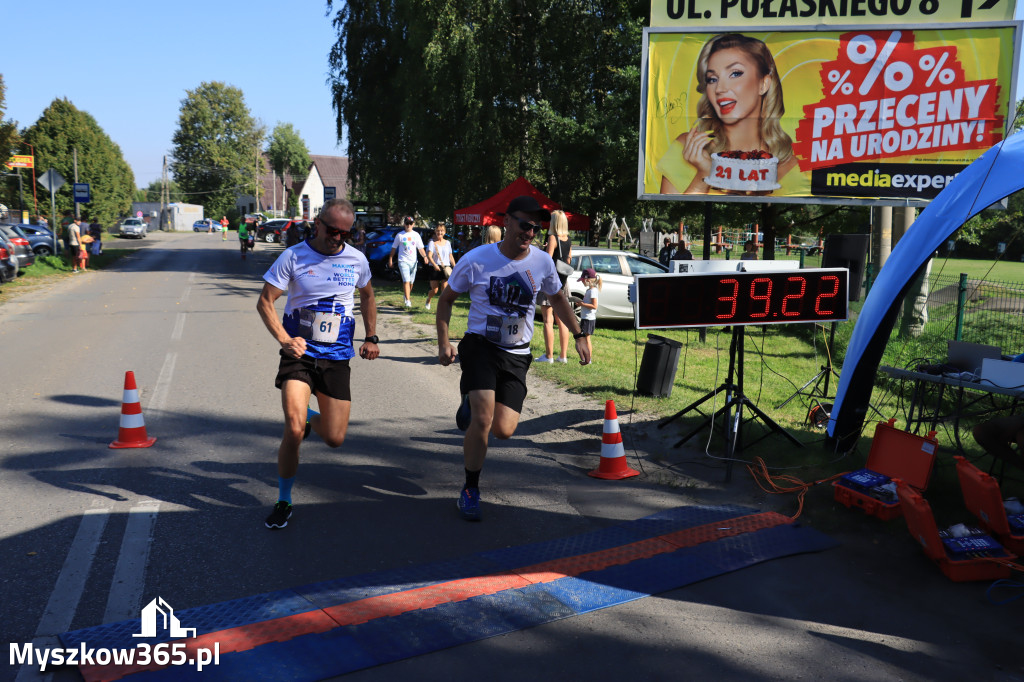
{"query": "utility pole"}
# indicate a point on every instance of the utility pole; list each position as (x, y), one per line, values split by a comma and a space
(164, 197)
(74, 155)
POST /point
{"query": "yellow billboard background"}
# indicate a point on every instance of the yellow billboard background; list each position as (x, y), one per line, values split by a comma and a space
(672, 96)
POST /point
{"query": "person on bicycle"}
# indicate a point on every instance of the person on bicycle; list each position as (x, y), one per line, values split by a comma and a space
(243, 237)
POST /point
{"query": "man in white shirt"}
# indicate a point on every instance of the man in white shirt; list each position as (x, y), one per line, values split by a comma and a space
(407, 244)
(502, 280)
(320, 276)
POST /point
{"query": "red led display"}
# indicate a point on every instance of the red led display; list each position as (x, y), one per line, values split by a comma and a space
(738, 298)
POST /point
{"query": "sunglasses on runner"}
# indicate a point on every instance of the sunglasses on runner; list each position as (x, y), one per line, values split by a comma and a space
(526, 225)
(333, 231)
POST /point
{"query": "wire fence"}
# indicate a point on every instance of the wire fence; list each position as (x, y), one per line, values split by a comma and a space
(974, 310)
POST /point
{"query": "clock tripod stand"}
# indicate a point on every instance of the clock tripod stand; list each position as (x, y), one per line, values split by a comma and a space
(732, 411)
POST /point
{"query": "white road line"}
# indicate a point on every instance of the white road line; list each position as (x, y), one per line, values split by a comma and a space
(179, 327)
(125, 595)
(163, 383)
(63, 603)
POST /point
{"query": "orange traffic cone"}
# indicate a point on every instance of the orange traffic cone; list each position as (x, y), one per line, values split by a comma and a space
(613, 456)
(132, 433)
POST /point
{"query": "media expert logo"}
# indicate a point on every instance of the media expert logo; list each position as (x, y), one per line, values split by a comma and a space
(144, 655)
(887, 180)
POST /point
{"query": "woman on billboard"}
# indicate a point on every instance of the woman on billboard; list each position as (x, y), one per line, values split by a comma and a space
(737, 145)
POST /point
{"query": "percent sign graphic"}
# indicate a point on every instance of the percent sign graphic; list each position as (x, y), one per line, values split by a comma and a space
(840, 80)
(897, 76)
(934, 66)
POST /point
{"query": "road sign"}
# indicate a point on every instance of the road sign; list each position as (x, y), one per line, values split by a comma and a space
(51, 180)
(329, 193)
(82, 193)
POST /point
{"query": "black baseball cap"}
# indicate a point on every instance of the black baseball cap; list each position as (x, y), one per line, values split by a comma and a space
(529, 205)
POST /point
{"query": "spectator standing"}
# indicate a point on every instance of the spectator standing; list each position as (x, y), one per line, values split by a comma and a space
(588, 308)
(359, 237)
(559, 247)
(683, 253)
(74, 242)
(667, 253)
(96, 232)
(473, 240)
(749, 250)
(440, 260)
(407, 244)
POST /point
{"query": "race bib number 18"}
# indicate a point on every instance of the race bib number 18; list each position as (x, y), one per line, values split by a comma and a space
(505, 330)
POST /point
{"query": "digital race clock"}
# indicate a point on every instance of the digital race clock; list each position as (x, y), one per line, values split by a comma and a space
(740, 298)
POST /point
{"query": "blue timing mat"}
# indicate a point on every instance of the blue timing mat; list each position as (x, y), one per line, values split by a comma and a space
(338, 626)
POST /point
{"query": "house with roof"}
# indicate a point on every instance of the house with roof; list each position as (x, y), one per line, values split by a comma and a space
(307, 192)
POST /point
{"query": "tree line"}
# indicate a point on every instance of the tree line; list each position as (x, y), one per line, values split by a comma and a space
(217, 154)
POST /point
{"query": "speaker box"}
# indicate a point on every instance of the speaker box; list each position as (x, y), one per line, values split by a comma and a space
(848, 251)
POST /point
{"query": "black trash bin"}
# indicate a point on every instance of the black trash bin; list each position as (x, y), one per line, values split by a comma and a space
(658, 366)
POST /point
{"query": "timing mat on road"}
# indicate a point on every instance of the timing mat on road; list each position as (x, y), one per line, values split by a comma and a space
(339, 626)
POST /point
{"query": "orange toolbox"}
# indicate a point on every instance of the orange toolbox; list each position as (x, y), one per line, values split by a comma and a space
(983, 498)
(894, 454)
(974, 557)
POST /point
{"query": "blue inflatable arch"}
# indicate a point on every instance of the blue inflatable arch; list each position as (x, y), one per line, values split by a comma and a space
(998, 173)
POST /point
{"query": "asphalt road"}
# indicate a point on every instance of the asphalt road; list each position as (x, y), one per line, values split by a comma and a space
(89, 534)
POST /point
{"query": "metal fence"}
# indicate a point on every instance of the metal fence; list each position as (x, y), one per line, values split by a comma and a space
(980, 311)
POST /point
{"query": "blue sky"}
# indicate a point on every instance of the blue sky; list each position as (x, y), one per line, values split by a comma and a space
(129, 65)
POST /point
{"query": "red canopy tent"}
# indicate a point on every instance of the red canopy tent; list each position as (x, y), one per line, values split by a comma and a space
(486, 212)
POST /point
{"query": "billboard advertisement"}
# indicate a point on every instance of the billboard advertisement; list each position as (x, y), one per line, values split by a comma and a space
(856, 115)
(698, 15)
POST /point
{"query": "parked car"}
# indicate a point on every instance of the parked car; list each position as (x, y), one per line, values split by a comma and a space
(616, 269)
(8, 266)
(273, 230)
(39, 238)
(18, 247)
(206, 225)
(133, 227)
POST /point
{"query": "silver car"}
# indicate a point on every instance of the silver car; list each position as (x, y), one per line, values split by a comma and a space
(616, 269)
(17, 246)
(133, 227)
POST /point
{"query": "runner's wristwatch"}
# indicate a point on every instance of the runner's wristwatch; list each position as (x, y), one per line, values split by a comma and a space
(372, 339)
(580, 335)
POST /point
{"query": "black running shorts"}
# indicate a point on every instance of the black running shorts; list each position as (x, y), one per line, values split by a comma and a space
(486, 367)
(330, 377)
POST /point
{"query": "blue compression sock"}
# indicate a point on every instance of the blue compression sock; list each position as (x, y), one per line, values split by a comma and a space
(284, 489)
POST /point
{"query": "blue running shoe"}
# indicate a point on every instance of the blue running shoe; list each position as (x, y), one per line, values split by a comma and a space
(310, 413)
(463, 416)
(469, 504)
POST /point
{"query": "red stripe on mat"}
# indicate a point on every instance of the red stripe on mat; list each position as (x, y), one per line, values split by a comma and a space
(252, 635)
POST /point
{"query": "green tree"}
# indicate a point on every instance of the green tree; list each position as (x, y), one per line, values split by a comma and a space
(288, 156)
(62, 130)
(216, 147)
(287, 151)
(8, 129)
